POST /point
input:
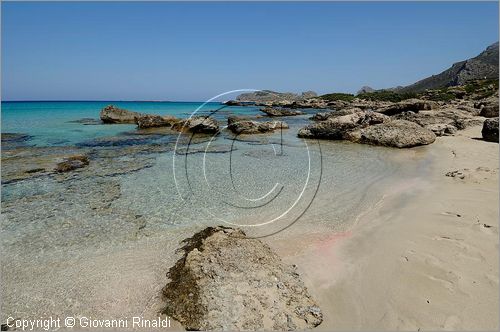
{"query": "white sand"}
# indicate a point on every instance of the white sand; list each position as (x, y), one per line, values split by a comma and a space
(425, 258)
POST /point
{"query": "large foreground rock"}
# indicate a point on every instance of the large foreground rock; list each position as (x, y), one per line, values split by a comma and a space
(113, 114)
(226, 281)
(198, 124)
(490, 130)
(271, 111)
(396, 133)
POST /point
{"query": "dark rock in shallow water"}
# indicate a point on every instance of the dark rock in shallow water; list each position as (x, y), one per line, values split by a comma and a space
(15, 137)
(226, 281)
(112, 114)
(87, 121)
(490, 130)
(72, 163)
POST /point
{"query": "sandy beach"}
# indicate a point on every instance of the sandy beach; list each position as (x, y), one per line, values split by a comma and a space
(424, 258)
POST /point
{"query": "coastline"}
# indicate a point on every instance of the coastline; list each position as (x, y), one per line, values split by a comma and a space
(430, 247)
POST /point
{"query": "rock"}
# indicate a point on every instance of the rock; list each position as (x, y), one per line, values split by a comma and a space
(151, 121)
(87, 121)
(15, 137)
(396, 133)
(233, 103)
(460, 119)
(365, 89)
(240, 125)
(442, 129)
(413, 105)
(489, 110)
(322, 116)
(490, 130)
(72, 163)
(340, 127)
(279, 112)
(197, 124)
(112, 114)
(226, 281)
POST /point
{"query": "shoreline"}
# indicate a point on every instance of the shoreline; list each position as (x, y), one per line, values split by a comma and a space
(427, 259)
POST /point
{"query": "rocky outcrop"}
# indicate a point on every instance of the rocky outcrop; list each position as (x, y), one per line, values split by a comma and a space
(370, 128)
(339, 128)
(226, 281)
(441, 129)
(459, 119)
(197, 124)
(112, 114)
(242, 125)
(72, 163)
(490, 110)
(395, 133)
(322, 116)
(490, 130)
(409, 105)
(271, 111)
(151, 121)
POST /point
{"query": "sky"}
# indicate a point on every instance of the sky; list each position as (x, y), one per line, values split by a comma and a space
(194, 51)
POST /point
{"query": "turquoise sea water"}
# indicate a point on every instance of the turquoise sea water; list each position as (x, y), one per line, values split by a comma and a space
(49, 122)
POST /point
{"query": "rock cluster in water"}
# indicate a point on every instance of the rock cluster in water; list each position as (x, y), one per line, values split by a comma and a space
(227, 281)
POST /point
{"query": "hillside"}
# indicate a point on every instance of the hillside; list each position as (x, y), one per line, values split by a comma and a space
(483, 66)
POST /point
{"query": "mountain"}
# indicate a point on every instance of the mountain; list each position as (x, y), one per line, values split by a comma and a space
(365, 89)
(483, 66)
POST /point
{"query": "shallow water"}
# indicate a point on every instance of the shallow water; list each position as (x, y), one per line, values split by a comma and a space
(72, 243)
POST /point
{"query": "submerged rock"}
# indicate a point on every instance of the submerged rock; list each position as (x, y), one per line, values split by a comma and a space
(226, 281)
(279, 111)
(151, 121)
(15, 137)
(490, 130)
(113, 114)
(72, 163)
(198, 124)
(87, 121)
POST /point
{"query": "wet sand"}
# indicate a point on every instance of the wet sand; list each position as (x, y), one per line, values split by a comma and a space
(425, 257)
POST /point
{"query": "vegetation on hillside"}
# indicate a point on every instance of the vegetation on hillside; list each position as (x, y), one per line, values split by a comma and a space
(338, 96)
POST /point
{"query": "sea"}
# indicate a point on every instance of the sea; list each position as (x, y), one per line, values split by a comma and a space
(100, 239)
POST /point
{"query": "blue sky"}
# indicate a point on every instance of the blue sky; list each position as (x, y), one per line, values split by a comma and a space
(193, 51)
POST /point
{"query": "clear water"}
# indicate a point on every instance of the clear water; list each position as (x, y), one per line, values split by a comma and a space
(50, 122)
(100, 244)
